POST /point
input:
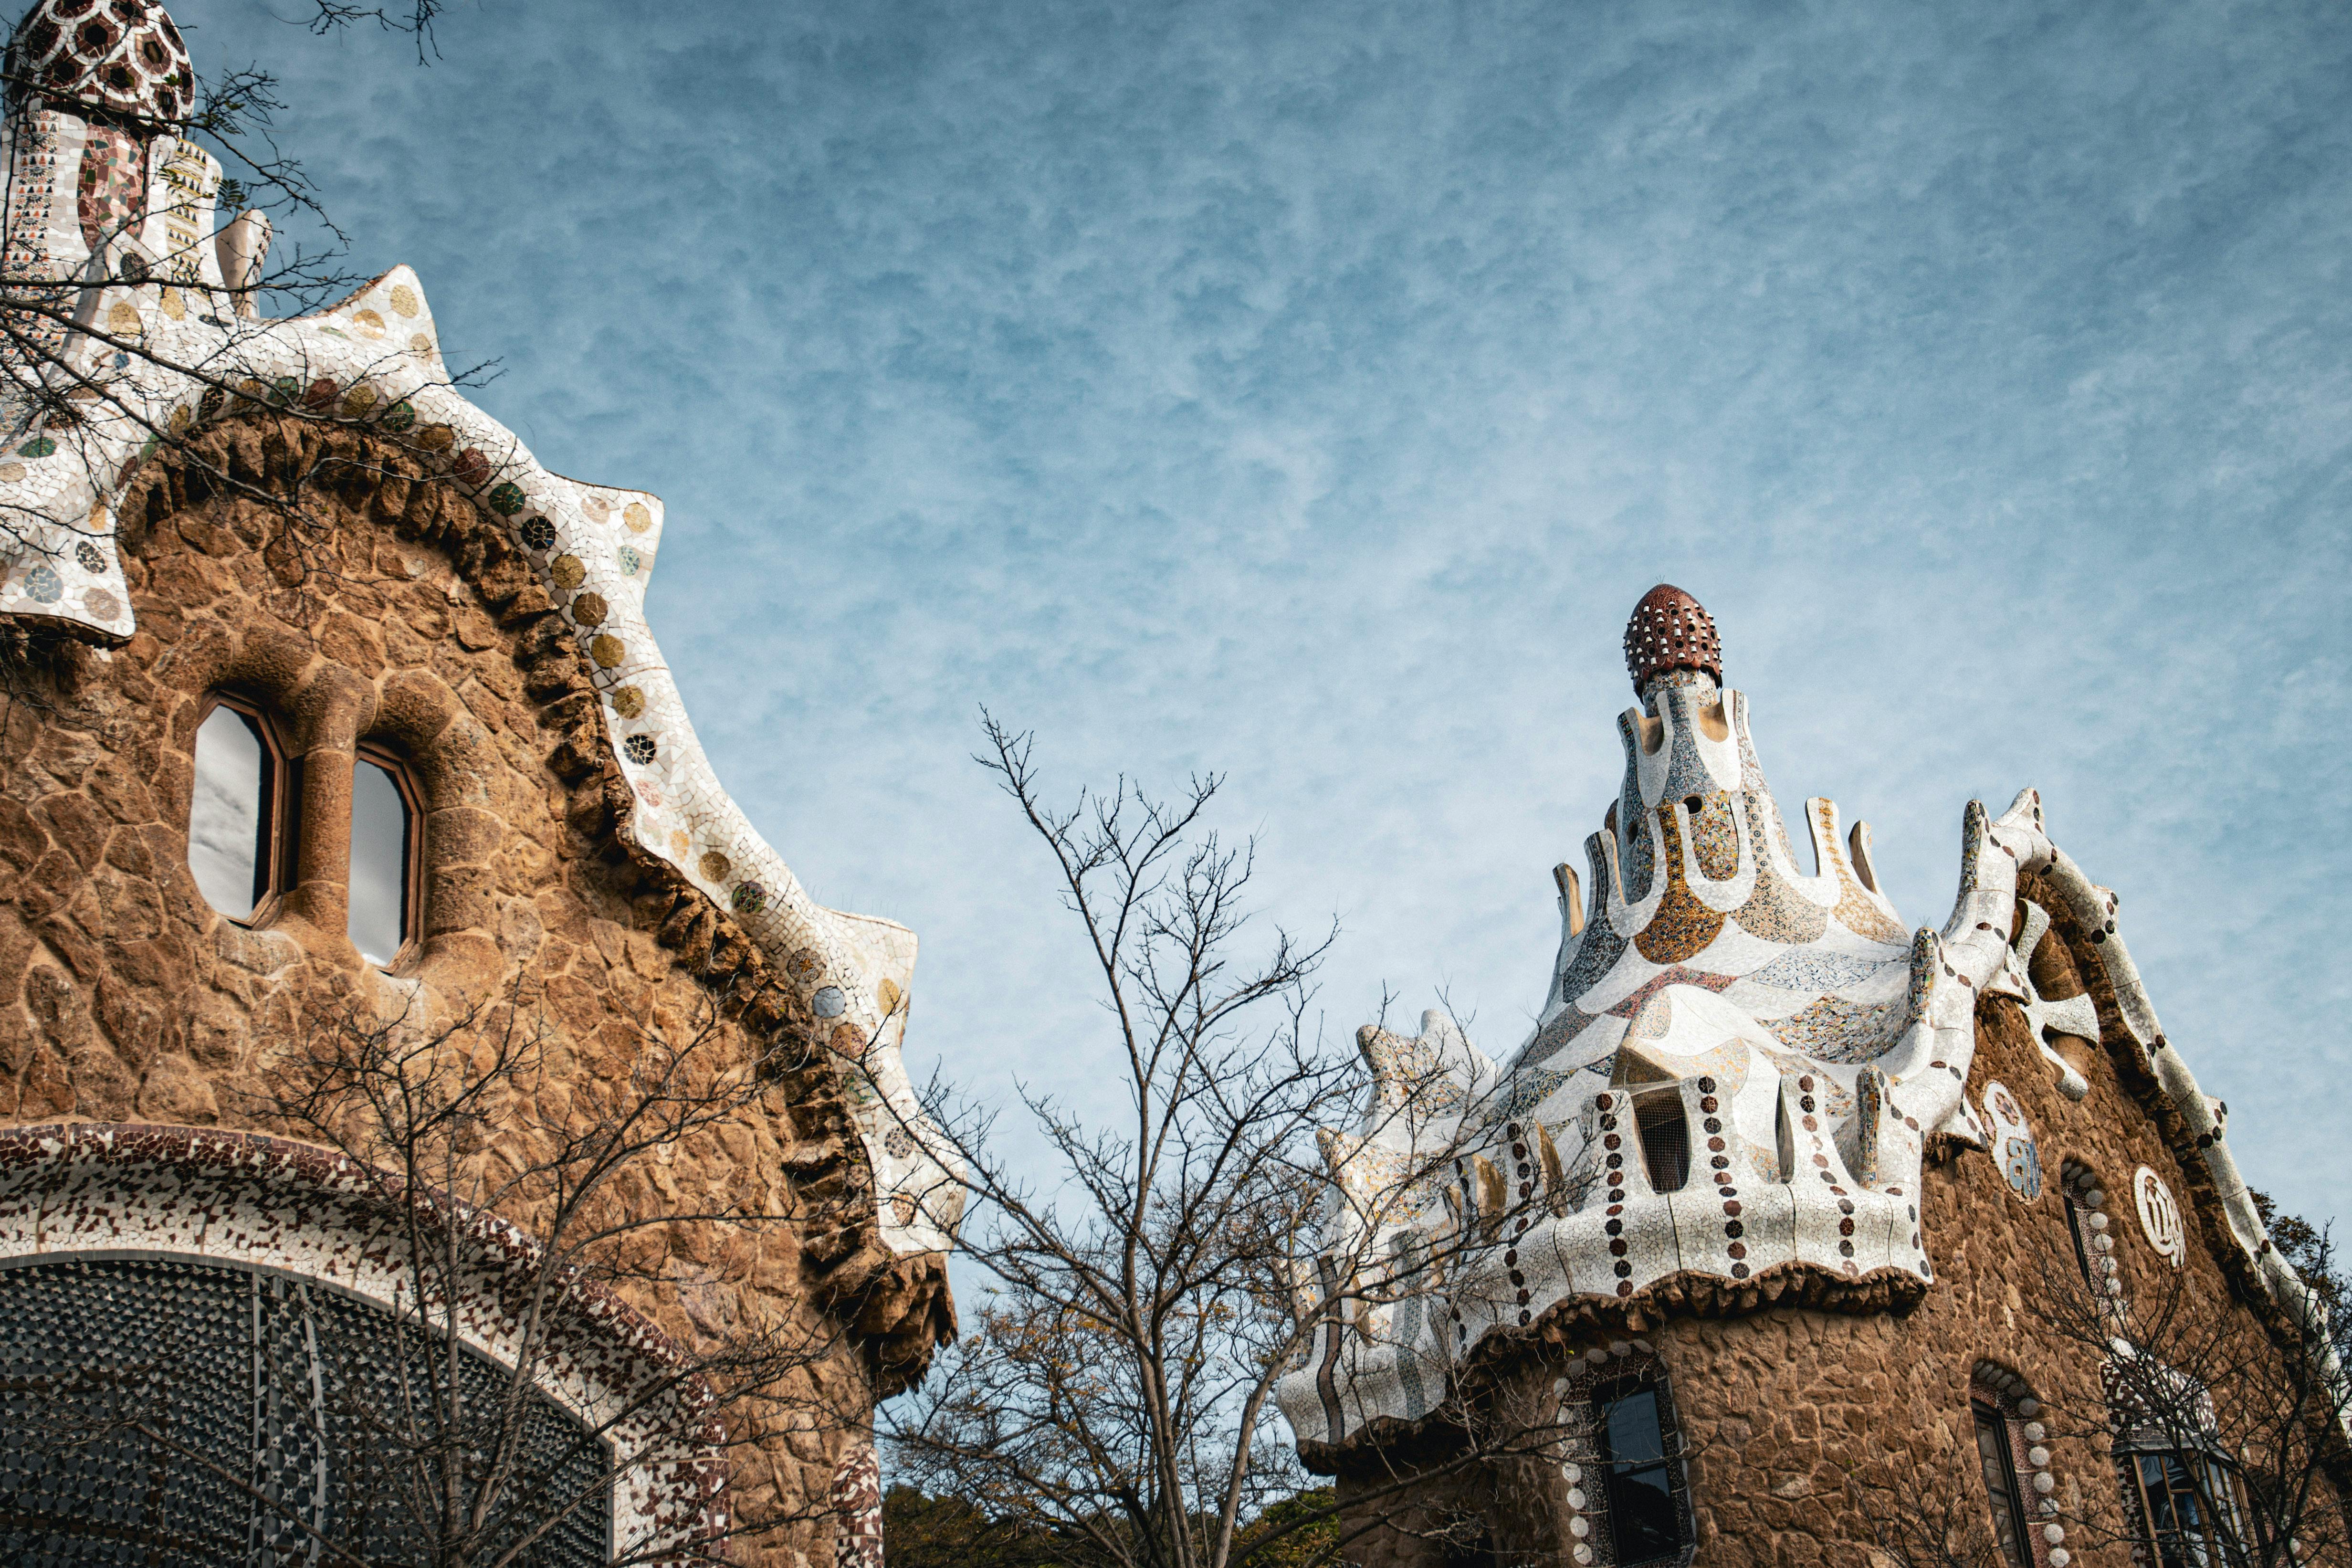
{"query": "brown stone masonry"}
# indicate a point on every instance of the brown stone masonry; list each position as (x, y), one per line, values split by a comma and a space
(404, 620)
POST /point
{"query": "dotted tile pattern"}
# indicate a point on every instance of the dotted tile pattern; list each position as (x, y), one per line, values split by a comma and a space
(110, 1188)
(375, 356)
(1707, 978)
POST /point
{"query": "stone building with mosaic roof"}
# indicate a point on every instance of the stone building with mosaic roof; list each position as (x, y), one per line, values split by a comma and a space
(325, 695)
(1760, 1215)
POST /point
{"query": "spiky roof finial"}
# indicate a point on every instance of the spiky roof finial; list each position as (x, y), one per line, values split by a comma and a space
(1669, 631)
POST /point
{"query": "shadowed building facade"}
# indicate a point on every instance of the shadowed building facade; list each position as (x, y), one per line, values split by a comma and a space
(328, 699)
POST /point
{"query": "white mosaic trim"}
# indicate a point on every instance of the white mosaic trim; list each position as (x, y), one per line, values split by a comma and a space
(376, 354)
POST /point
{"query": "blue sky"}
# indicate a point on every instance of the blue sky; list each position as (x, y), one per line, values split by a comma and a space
(1308, 392)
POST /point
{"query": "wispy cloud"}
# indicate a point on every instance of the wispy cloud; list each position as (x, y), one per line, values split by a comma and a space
(1308, 393)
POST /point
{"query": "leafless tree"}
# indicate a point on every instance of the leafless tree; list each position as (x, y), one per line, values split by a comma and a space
(438, 1455)
(2224, 1415)
(1111, 1401)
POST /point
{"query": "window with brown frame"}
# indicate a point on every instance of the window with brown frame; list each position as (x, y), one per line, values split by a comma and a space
(241, 812)
(387, 823)
(1996, 1455)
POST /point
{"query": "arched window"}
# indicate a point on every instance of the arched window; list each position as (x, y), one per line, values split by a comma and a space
(237, 832)
(1627, 1483)
(385, 859)
(1666, 1137)
(2086, 1222)
(2179, 1486)
(2013, 1460)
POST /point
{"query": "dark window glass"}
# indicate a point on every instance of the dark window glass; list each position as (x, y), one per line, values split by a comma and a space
(232, 818)
(1665, 1139)
(1999, 1459)
(382, 855)
(2180, 1496)
(1644, 1521)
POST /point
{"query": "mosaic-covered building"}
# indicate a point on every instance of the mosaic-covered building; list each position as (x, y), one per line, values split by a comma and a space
(325, 696)
(1765, 1206)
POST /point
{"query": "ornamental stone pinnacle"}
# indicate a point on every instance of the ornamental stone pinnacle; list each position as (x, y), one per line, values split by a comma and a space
(1669, 631)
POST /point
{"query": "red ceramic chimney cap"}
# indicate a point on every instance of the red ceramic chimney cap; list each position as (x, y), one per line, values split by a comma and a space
(1670, 631)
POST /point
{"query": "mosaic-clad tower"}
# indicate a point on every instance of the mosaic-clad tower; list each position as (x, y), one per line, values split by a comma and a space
(1754, 1199)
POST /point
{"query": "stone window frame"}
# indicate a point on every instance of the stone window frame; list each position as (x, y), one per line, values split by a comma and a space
(323, 714)
(281, 806)
(2087, 1223)
(1621, 1366)
(394, 761)
(2022, 1413)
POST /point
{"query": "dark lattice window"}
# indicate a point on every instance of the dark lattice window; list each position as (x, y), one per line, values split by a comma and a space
(1640, 1472)
(135, 1387)
(1996, 1455)
(1666, 1138)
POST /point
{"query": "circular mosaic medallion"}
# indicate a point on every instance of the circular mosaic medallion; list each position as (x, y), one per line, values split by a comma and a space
(122, 57)
(88, 556)
(750, 898)
(638, 517)
(898, 1143)
(42, 585)
(172, 305)
(123, 319)
(803, 966)
(507, 499)
(566, 570)
(628, 702)
(421, 346)
(640, 748)
(358, 401)
(435, 437)
(628, 560)
(715, 866)
(608, 650)
(829, 1002)
(11, 472)
(368, 323)
(100, 605)
(472, 469)
(538, 533)
(650, 792)
(590, 610)
(399, 416)
(403, 300)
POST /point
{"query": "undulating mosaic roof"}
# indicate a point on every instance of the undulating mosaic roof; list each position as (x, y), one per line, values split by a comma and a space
(151, 359)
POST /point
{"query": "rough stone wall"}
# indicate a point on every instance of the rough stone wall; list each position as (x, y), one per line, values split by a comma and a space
(1784, 1408)
(403, 617)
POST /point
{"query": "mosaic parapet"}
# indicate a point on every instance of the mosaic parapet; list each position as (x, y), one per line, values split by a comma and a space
(374, 358)
(126, 1189)
(1552, 1206)
(1811, 1052)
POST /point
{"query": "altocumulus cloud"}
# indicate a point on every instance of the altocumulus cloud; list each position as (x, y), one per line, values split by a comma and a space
(1308, 393)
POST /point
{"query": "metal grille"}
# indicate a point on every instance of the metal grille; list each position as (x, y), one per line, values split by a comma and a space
(282, 1408)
